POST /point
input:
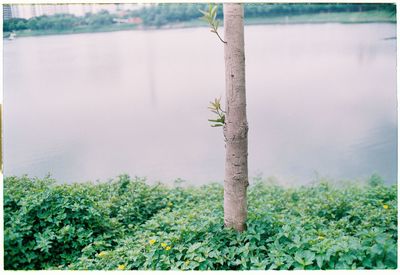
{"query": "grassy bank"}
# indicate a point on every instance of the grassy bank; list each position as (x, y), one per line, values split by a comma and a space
(340, 17)
(126, 224)
(108, 28)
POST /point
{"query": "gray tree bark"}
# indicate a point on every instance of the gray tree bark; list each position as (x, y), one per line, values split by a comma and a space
(236, 127)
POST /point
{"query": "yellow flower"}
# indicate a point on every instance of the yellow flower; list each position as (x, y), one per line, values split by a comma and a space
(169, 204)
(102, 254)
(168, 248)
(385, 206)
(187, 262)
(321, 237)
(152, 242)
(163, 244)
(121, 267)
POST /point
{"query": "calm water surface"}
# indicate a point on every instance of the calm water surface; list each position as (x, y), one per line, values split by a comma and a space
(321, 100)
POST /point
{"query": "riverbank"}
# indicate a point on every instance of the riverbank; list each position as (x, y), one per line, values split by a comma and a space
(319, 18)
(109, 28)
(337, 17)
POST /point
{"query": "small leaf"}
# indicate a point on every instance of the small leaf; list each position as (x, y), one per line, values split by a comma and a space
(203, 12)
(214, 9)
(320, 260)
(214, 13)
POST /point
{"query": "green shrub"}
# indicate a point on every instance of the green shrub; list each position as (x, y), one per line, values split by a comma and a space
(126, 224)
(47, 225)
(375, 180)
(307, 228)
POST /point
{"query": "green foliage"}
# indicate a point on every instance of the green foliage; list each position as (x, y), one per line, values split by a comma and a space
(158, 15)
(375, 180)
(100, 19)
(139, 227)
(59, 22)
(162, 14)
(47, 225)
(216, 108)
(279, 9)
(210, 17)
(14, 24)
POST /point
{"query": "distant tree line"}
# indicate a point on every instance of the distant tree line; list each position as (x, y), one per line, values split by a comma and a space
(58, 22)
(277, 9)
(161, 14)
(158, 15)
(164, 13)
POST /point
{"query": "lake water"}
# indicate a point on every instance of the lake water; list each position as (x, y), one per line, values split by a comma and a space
(321, 101)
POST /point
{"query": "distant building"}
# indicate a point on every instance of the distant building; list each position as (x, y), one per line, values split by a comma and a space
(31, 10)
(24, 11)
(11, 11)
(51, 9)
(7, 14)
(80, 9)
(18, 11)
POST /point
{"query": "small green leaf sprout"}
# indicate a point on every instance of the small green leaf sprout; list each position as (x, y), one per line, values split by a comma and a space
(215, 107)
(210, 17)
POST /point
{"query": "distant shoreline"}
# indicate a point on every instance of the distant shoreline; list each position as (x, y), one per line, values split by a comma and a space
(318, 18)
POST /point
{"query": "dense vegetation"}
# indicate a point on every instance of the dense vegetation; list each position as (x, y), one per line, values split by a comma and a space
(58, 22)
(163, 14)
(126, 224)
(170, 13)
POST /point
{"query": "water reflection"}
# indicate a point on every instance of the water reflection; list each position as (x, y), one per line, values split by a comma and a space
(151, 70)
(376, 151)
(91, 106)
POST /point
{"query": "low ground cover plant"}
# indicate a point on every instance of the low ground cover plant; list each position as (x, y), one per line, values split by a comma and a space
(127, 225)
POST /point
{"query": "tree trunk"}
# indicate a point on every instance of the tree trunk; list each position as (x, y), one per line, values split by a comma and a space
(236, 127)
